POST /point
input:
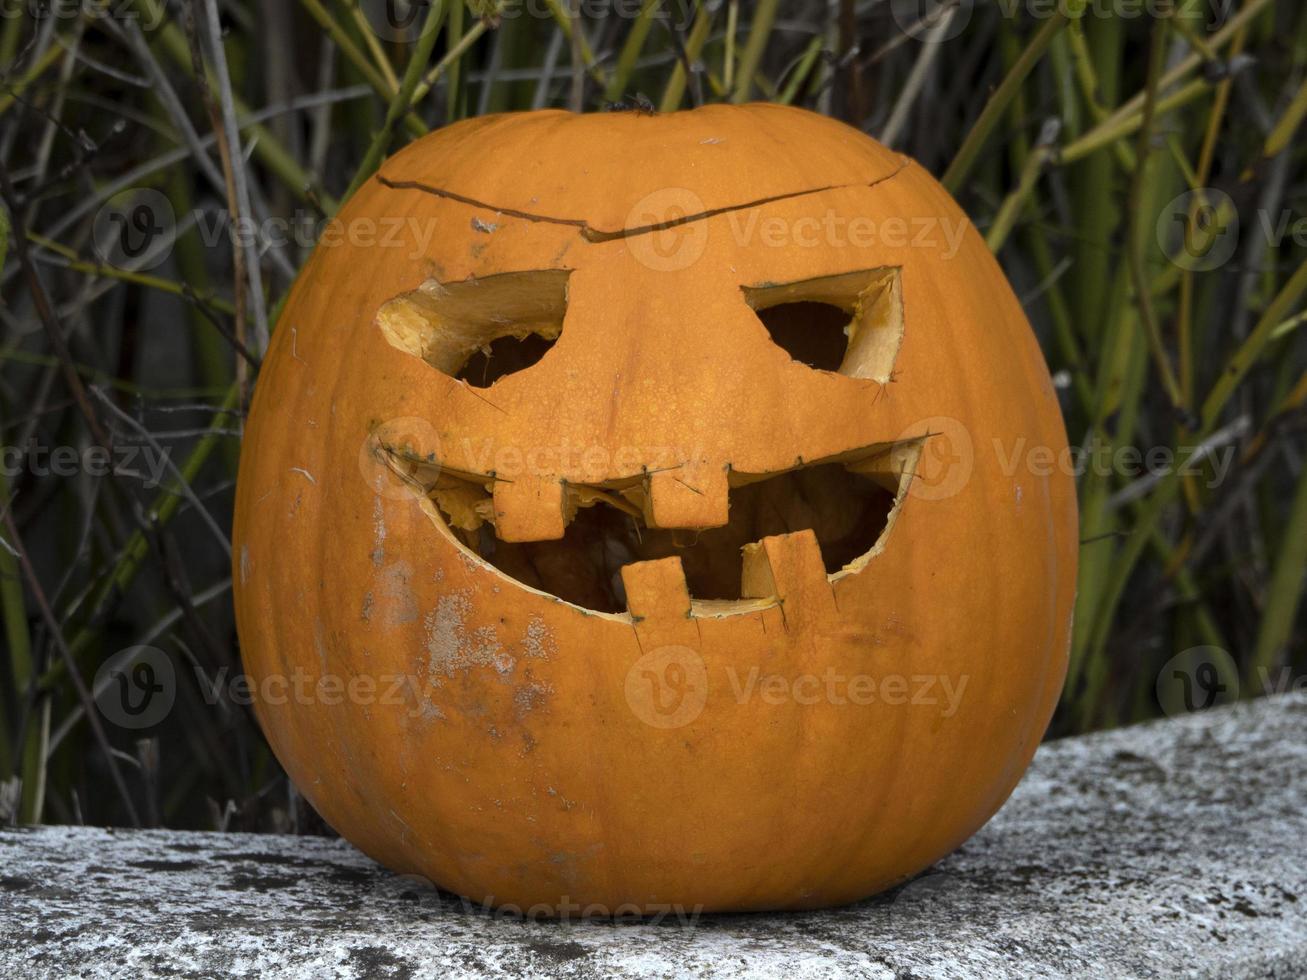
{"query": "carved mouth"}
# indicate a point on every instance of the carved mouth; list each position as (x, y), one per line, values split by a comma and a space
(848, 502)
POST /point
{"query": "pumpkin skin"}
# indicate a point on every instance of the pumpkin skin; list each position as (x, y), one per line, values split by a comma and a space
(552, 757)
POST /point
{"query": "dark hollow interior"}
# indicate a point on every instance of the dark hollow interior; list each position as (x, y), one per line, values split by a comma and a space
(504, 356)
(812, 333)
(847, 512)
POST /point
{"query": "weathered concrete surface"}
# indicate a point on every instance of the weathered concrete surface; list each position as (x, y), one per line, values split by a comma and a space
(1171, 849)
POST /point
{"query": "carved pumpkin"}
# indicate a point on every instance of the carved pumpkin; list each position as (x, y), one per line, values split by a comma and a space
(633, 513)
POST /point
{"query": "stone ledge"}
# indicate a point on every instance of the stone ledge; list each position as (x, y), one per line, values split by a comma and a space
(1175, 848)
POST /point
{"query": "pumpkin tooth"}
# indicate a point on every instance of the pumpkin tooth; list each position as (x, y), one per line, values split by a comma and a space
(656, 589)
(529, 508)
(691, 496)
(789, 567)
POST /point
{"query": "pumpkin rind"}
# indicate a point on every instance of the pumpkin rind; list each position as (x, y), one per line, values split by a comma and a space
(504, 752)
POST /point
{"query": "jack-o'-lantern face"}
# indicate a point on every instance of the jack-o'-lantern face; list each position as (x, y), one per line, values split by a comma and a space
(670, 471)
(562, 504)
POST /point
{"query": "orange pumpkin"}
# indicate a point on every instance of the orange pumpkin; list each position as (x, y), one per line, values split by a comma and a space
(634, 512)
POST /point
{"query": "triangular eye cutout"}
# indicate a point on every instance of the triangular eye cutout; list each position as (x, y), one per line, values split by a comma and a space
(479, 330)
(850, 323)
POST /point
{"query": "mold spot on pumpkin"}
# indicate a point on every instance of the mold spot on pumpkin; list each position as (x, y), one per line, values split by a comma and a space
(452, 647)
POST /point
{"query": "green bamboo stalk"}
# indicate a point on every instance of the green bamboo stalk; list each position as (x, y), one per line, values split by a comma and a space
(352, 52)
(674, 90)
(801, 71)
(1016, 201)
(145, 280)
(18, 640)
(455, 77)
(563, 19)
(998, 103)
(417, 63)
(1193, 62)
(1096, 212)
(1115, 128)
(28, 755)
(266, 146)
(13, 30)
(450, 59)
(631, 48)
(373, 44)
(1284, 595)
(13, 90)
(361, 62)
(1141, 225)
(764, 16)
(1253, 346)
(1278, 139)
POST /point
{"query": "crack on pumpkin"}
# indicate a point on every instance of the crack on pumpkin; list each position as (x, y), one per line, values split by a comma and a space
(598, 235)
